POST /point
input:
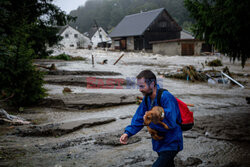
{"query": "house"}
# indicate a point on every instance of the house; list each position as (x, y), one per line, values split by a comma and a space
(136, 31)
(173, 47)
(99, 37)
(72, 38)
(187, 45)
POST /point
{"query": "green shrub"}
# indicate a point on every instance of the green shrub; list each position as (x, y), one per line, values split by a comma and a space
(66, 57)
(61, 57)
(215, 63)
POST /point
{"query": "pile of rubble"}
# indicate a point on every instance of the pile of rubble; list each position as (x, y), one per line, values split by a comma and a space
(189, 73)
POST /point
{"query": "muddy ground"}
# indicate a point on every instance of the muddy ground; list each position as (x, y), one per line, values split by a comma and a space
(82, 128)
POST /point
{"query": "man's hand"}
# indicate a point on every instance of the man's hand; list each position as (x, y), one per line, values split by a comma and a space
(124, 139)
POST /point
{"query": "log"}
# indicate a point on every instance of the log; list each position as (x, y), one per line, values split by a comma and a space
(93, 64)
(52, 67)
(11, 119)
(119, 58)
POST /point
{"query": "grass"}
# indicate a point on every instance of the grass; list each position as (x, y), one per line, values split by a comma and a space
(67, 57)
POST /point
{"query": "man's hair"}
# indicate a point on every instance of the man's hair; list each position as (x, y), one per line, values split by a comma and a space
(148, 75)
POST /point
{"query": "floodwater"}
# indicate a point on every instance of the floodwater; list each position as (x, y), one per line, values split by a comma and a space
(211, 147)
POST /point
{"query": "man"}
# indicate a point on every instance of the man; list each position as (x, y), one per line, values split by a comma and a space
(172, 143)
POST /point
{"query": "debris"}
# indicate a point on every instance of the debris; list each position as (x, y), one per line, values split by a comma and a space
(67, 90)
(232, 79)
(51, 68)
(93, 65)
(122, 54)
(188, 73)
(105, 61)
(11, 119)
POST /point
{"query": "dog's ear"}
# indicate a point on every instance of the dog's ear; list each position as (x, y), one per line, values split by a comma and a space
(149, 116)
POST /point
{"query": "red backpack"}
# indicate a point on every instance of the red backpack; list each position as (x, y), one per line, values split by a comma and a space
(187, 118)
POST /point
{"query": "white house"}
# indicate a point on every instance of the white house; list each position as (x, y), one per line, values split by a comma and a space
(99, 36)
(186, 35)
(72, 38)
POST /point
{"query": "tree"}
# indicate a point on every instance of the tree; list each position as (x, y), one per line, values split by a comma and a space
(26, 27)
(224, 24)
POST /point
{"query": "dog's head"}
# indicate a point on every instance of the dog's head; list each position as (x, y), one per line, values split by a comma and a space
(154, 115)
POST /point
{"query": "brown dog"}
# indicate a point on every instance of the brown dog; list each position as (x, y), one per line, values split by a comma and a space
(155, 115)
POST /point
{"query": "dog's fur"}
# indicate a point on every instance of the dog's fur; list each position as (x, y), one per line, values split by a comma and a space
(155, 116)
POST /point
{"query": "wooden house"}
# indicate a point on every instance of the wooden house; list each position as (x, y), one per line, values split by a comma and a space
(136, 31)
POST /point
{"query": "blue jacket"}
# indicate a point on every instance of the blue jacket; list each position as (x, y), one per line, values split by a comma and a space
(173, 136)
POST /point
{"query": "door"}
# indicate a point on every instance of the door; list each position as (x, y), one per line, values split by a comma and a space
(187, 49)
(123, 44)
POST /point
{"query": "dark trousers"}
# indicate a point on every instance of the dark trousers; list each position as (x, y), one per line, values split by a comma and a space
(165, 159)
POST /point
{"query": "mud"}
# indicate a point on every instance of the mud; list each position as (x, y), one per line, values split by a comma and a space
(87, 101)
(219, 138)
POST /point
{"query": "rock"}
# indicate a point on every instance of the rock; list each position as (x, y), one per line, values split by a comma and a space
(192, 161)
(126, 116)
(61, 128)
(113, 139)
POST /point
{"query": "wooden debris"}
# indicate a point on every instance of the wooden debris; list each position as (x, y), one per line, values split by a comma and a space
(11, 119)
(67, 90)
(51, 68)
(119, 58)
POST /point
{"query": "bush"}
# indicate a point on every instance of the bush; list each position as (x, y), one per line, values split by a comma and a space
(66, 57)
(215, 63)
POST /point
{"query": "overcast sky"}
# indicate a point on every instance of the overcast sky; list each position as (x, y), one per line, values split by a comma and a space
(68, 5)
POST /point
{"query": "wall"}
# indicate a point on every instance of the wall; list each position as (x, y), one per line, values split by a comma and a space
(171, 48)
(174, 48)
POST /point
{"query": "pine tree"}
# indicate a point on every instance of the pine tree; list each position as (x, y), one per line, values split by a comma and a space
(25, 28)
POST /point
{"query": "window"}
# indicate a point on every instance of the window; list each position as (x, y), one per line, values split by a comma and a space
(163, 24)
(66, 35)
(71, 45)
(76, 35)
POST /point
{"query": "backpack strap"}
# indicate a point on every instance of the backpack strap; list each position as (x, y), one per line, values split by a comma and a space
(160, 91)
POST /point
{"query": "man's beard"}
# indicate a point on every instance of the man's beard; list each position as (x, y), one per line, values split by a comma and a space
(149, 93)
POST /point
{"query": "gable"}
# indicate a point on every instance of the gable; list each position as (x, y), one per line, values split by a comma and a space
(136, 24)
(164, 23)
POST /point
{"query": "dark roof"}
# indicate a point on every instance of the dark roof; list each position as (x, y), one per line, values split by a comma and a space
(136, 24)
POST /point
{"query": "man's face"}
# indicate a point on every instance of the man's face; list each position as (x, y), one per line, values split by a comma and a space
(144, 88)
